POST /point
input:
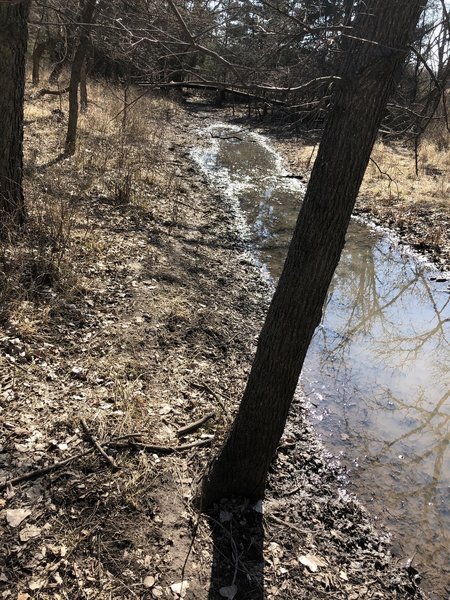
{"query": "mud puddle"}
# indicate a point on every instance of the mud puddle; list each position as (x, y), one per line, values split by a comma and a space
(376, 375)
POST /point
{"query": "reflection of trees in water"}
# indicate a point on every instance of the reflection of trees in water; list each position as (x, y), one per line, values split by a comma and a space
(439, 421)
(374, 289)
(389, 316)
(373, 280)
(374, 314)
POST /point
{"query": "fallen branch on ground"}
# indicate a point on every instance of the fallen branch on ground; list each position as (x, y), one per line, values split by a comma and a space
(44, 470)
(195, 425)
(97, 446)
(114, 443)
(159, 449)
(46, 91)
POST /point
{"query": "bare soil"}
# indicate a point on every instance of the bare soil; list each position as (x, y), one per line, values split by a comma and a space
(145, 323)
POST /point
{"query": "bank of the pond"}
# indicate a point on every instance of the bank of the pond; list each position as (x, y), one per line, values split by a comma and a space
(414, 206)
(153, 328)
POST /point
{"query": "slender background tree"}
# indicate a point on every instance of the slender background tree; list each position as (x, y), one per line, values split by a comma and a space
(76, 72)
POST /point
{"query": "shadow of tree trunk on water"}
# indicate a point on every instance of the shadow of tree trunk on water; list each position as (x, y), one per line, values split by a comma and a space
(238, 563)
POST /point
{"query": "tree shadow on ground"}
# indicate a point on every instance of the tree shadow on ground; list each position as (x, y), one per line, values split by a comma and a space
(51, 163)
(238, 562)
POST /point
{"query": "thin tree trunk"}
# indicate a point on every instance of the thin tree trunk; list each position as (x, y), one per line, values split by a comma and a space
(86, 18)
(126, 89)
(60, 59)
(83, 87)
(37, 56)
(13, 45)
(371, 66)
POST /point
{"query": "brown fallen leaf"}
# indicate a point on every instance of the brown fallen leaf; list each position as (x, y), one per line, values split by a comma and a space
(149, 581)
(29, 532)
(312, 561)
(15, 516)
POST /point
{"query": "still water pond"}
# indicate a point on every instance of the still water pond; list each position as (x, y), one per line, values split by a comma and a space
(377, 373)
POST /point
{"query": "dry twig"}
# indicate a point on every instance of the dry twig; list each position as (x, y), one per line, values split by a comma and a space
(44, 470)
(114, 443)
(195, 425)
(97, 446)
(285, 523)
(159, 449)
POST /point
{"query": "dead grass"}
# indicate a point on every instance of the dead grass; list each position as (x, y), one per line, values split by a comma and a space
(119, 160)
(393, 194)
(391, 171)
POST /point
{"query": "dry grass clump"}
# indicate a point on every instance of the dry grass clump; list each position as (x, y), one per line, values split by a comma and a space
(415, 203)
(120, 159)
(33, 265)
(392, 172)
(123, 137)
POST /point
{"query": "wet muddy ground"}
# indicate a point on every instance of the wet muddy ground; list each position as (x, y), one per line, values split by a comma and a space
(376, 374)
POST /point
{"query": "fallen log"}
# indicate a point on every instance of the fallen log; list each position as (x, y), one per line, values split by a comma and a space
(235, 93)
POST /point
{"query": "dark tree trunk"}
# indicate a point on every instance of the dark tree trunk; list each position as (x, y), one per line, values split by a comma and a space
(38, 51)
(86, 19)
(13, 45)
(371, 66)
(83, 87)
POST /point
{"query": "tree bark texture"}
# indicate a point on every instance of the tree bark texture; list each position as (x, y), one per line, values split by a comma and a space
(371, 66)
(86, 19)
(38, 51)
(83, 87)
(13, 45)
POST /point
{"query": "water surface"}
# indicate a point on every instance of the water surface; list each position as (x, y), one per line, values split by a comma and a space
(377, 372)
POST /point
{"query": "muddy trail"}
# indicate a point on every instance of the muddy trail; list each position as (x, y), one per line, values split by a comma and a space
(160, 334)
(376, 374)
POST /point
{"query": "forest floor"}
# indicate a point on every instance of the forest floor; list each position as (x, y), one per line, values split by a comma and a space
(129, 309)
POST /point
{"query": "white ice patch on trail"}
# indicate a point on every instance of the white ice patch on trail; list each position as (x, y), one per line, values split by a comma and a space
(231, 186)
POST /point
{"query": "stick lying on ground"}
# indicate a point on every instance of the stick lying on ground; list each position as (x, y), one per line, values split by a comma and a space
(195, 425)
(113, 443)
(159, 449)
(97, 446)
(44, 470)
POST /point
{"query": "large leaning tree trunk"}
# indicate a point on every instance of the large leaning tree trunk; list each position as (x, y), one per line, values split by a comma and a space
(86, 19)
(371, 65)
(13, 45)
